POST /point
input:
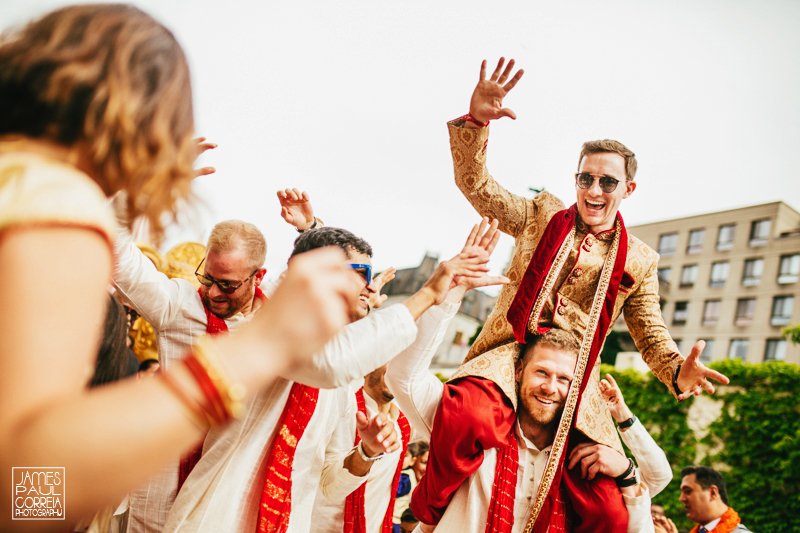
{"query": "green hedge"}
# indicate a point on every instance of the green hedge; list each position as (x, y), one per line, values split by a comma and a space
(759, 428)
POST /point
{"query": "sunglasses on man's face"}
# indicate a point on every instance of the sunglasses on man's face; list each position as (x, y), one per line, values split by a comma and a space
(364, 270)
(607, 183)
(225, 286)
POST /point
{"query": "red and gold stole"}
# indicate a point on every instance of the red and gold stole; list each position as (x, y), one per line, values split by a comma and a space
(276, 498)
(535, 288)
(355, 520)
(214, 326)
(727, 522)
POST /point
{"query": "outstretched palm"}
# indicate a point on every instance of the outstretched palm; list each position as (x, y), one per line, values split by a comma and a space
(487, 99)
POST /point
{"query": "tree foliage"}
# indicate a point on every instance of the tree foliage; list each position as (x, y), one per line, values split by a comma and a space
(759, 434)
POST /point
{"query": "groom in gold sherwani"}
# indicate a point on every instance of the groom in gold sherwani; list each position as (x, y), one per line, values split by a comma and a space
(573, 269)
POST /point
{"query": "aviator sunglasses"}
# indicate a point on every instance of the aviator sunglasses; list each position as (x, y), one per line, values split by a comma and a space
(607, 183)
(225, 286)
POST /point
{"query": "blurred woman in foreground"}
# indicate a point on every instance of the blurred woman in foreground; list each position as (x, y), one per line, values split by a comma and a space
(96, 101)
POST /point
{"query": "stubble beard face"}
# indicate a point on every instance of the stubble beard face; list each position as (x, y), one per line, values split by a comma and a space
(540, 415)
(234, 305)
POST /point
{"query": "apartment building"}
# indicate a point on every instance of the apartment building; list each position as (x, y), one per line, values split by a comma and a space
(731, 278)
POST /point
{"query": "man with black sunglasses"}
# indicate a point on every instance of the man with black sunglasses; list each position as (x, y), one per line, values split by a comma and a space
(574, 269)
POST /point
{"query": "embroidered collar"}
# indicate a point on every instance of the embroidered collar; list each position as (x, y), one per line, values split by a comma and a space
(581, 227)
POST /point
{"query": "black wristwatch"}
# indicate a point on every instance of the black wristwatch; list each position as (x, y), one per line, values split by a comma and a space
(677, 389)
(625, 424)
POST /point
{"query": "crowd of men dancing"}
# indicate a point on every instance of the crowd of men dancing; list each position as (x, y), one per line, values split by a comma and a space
(305, 404)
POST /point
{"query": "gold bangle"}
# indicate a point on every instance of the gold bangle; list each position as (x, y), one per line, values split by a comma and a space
(230, 393)
(192, 407)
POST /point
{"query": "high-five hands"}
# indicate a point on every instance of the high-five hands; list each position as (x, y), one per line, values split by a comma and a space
(296, 208)
(694, 375)
(469, 269)
(487, 99)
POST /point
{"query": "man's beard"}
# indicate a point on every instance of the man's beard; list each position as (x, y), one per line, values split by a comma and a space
(233, 305)
(539, 414)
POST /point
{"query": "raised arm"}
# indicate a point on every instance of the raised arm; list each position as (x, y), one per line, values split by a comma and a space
(654, 468)
(643, 316)
(417, 391)
(468, 144)
(154, 296)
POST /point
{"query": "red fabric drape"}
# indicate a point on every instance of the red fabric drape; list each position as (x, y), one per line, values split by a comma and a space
(276, 498)
(474, 415)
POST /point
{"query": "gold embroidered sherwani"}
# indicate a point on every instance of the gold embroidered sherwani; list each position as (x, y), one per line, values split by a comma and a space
(495, 351)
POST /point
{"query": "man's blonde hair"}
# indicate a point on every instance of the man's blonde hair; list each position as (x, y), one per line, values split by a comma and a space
(232, 234)
(554, 338)
(613, 147)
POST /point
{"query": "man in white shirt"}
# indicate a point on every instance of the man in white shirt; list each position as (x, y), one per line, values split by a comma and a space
(180, 315)
(544, 374)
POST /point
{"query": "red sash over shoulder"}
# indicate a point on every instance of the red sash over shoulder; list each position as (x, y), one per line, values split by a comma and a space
(355, 520)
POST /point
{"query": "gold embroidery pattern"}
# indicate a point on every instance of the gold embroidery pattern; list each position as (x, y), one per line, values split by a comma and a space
(552, 276)
(574, 390)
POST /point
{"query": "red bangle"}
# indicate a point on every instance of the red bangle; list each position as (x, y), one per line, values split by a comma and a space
(214, 407)
(469, 118)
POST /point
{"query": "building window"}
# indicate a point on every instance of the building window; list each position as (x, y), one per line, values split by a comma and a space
(668, 243)
(776, 350)
(708, 352)
(688, 275)
(719, 273)
(725, 237)
(663, 274)
(695, 245)
(759, 232)
(711, 312)
(458, 337)
(738, 349)
(782, 307)
(681, 313)
(789, 269)
(753, 268)
(745, 309)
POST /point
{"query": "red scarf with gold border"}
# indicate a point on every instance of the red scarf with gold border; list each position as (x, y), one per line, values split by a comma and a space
(554, 511)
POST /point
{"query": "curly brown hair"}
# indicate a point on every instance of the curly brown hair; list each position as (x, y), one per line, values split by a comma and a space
(110, 77)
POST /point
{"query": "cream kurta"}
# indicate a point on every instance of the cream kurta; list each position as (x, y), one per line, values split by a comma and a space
(328, 514)
(176, 312)
(494, 353)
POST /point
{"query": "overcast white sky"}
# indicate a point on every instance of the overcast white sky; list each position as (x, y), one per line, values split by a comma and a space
(348, 100)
